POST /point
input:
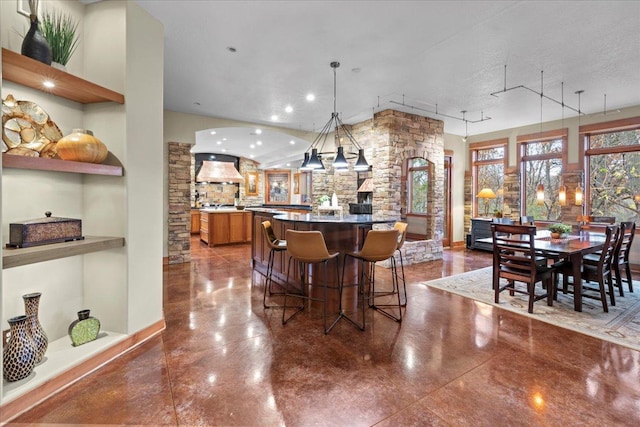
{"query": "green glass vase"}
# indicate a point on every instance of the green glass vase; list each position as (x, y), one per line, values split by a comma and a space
(84, 329)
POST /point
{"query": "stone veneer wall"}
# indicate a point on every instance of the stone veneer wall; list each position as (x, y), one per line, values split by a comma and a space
(389, 139)
(179, 244)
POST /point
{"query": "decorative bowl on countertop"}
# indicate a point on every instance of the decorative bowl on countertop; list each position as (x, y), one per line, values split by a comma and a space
(240, 207)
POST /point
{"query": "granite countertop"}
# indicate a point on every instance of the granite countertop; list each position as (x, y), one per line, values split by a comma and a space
(340, 219)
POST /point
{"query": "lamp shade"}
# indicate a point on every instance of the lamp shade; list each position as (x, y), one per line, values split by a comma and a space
(340, 161)
(361, 163)
(305, 163)
(314, 161)
(486, 193)
(579, 196)
(562, 195)
(213, 171)
(540, 194)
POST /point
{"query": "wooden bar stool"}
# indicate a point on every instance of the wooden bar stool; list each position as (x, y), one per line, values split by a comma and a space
(308, 248)
(275, 245)
(379, 245)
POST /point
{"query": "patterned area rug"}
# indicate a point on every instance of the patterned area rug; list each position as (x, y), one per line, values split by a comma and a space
(620, 325)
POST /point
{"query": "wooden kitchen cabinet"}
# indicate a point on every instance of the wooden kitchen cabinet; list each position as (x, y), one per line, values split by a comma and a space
(195, 221)
(221, 228)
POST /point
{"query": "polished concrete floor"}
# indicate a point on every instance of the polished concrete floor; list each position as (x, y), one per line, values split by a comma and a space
(224, 360)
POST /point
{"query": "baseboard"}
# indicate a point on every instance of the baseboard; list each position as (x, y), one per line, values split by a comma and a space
(65, 379)
(459, 244)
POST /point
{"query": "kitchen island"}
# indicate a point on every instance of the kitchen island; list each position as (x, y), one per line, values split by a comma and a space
(223, 226)
(342, 234)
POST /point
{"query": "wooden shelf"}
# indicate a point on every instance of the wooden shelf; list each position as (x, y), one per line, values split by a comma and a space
(39, 163)
(25, 256)
(29, 72)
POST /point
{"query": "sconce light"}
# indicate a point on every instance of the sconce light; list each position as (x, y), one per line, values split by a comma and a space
(579, 195)
(540, 194)
(562, 195)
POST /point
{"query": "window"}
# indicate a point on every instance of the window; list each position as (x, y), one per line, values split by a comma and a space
(488, 162)
(541, 164)
(613, 163)
(418, 179)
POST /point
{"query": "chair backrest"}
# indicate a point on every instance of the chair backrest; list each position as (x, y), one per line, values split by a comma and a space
(603, 219)
(307, 246)
(623, 247)
(606, 255)
(402, 232)
(502, 221)
(269, 235)
(527, 220)
(379, 245)
(513, 252)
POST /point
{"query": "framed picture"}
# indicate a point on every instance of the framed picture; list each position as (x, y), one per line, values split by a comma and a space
(278, 186)
(251, 183)
(296, 183)
(23, 8)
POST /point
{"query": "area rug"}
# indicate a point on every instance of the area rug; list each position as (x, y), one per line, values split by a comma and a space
(620, 325)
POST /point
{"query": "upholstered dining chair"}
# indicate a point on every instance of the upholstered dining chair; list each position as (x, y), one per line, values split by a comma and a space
(515, 259)
(621, 255)
(594, 270)
(379, 245)
(275, 246)
(308, 248)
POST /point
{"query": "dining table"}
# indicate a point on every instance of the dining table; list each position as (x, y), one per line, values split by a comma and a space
(572, 247)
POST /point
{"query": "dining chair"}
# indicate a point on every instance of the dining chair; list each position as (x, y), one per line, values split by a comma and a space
(503, 220)
(621, 255)
(379, 245)
(527, 220)
(275, 246)
(308, 248)
(402, 235)
(515, 259)
(594, 270)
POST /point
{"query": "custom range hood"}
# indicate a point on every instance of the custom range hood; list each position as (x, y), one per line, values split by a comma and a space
(213, 171)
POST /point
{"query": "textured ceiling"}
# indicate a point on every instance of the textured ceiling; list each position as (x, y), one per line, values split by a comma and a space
(420, 53)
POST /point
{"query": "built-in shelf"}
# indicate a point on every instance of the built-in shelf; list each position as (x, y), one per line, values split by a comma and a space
(56, 165)
(60, 357)
(29, 72)
(32, 255)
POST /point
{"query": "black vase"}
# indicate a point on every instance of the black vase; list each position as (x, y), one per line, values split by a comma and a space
(35, 45)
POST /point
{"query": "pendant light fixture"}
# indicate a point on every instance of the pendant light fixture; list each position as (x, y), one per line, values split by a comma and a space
(540, 194)
(315, 153)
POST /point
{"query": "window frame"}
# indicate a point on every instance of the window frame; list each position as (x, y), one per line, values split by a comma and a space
(410, 169)
(474, 162)
(584, 134)
(522, 141)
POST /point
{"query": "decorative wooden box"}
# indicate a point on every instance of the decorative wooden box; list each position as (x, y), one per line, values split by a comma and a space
(43, 231)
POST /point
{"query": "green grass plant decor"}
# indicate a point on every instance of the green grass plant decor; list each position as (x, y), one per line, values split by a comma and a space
(59, 30)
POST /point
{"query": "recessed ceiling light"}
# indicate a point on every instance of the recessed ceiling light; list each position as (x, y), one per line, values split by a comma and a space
(292, 142)
(213, 132)
(288, 108)
(224, 150)
(252, 146)
(259, 142)
(288, 164)
(311, 97)
(48, 83)
(232, 49)
(274, 118)
(224, 139)
(258, 131)
(196, 103)
(355, 70)
(251, 156)
(218, 142)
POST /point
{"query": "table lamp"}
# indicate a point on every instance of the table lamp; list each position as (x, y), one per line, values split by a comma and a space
(486, 193)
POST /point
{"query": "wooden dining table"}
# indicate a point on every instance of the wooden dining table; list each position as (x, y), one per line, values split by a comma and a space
(572, 248)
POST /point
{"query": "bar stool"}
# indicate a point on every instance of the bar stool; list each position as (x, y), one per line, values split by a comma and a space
(402, 234)
(379, 245)
(308, 248)
(275, 245)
